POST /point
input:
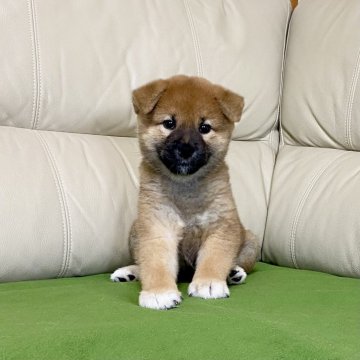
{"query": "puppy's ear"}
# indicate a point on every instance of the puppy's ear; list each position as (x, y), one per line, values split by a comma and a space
(231, 104)
(146, 97)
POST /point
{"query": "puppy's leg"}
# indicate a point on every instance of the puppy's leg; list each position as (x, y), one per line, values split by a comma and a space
(126, 273)
(215, 260)
(156, 254)
(248, 256)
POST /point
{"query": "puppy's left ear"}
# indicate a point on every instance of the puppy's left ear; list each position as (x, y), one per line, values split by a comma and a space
(146, 97)
(231, 104)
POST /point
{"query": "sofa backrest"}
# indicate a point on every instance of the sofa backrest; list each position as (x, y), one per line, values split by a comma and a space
(314, 212)
(67, 69)
(322, 88)
(71, 65)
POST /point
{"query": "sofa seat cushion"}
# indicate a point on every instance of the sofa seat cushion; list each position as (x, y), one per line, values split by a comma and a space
(313, 219)
(67, 200)
(279, 313)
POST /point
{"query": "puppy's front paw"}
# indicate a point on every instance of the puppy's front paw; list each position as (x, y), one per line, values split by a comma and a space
(209, 289)
(160, 300)
(237, 276)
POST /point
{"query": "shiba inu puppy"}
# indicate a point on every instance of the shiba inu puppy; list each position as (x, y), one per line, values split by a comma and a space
(186, 211)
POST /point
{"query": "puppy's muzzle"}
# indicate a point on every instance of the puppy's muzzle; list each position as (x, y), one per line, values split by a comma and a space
(184, 152)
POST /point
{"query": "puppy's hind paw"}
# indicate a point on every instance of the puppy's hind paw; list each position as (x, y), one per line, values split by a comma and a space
(237, 276)
(125, 274)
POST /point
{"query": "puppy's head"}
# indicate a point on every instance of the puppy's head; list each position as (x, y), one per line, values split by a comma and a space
(185, 123)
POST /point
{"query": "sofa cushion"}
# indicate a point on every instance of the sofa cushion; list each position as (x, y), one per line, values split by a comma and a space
(278, 314)
(67, 201)
(321, 95)
(313, 219)
(70, 66)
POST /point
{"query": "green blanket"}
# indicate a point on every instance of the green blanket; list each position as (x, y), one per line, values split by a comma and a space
(279, 313)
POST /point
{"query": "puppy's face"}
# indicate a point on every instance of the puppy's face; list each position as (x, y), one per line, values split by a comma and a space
(185, 123)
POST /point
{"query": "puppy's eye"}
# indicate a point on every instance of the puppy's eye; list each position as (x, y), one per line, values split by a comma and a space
(204, 128)
(169, 124)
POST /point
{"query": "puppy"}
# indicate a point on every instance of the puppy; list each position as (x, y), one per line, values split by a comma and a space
(186, 210)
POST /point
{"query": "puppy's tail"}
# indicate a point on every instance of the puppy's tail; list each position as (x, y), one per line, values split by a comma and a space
(250, 252)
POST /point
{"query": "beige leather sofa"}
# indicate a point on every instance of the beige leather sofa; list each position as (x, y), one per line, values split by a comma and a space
(68, 148)
(69, 176)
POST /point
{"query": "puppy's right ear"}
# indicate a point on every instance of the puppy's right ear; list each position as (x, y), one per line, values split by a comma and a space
(146, 97)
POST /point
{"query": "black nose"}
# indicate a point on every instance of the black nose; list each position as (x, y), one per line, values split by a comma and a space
(185, 150)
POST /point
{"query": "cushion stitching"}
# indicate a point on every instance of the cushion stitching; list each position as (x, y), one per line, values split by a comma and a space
(34, 56)
(195, 39)
(39, 76)
(350, 102)
(281, 84)
(314, 180)
(66, 219)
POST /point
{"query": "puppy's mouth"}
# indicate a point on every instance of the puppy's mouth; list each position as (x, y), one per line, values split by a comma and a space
(182, 166)
(183, 162)
(184, 152)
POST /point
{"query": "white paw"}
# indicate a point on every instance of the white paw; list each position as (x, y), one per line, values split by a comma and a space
(159, 300)
(124, 274)
(237, 276)
(209, 289)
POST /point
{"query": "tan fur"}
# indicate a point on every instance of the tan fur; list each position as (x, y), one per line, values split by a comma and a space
(188, 217)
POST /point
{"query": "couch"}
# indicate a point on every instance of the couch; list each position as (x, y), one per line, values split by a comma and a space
(69, 177)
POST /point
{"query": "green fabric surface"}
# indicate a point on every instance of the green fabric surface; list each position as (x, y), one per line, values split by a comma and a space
(279, 313)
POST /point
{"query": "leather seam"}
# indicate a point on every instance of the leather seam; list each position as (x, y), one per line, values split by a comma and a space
(126, 162)
(281, 84)
(350, 103)
(36, 65)
(66, 218)
(195, 38)
(275, 149)
(298, 212)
